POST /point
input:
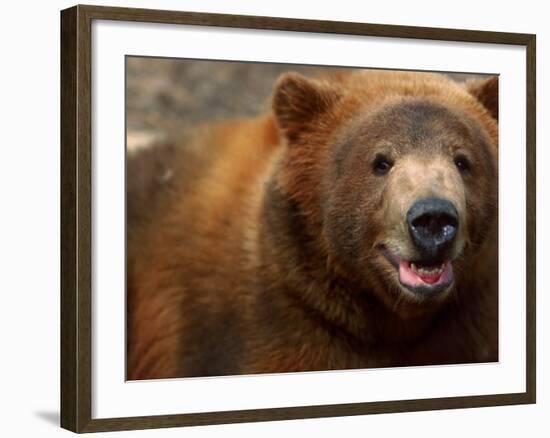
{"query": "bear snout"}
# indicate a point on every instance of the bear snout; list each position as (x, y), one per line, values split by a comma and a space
(433, 225)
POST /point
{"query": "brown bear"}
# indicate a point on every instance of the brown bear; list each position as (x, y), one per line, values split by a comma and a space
(353, 226)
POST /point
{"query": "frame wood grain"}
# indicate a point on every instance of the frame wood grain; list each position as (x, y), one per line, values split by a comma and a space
(76, 174)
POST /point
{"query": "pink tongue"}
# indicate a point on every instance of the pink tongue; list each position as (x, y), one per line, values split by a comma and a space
(410, 278)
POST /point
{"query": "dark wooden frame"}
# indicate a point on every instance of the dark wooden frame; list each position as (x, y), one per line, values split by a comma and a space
(76, 223)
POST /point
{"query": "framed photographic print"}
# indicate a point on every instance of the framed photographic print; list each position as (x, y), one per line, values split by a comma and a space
(268, 218)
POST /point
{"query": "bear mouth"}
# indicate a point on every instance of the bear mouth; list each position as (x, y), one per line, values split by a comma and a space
(420, 277)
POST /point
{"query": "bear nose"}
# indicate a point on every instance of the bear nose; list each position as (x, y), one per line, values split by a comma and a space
(433, 224)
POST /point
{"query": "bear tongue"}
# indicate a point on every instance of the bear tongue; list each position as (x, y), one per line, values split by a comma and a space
(413, 276)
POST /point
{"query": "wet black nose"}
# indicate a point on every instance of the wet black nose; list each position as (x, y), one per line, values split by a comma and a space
(433, 223)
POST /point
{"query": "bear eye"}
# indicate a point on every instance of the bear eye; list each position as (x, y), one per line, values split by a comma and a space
(382, 164)
(462, 163)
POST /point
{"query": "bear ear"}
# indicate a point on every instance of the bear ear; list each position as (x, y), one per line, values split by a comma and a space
(298, 100)
(486, 91)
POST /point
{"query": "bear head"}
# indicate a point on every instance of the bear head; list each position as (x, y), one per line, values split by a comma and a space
(396, 173)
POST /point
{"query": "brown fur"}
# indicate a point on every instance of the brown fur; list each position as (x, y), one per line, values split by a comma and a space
(261, 255)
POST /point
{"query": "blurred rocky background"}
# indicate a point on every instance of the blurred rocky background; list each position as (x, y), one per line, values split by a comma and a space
(162, 93)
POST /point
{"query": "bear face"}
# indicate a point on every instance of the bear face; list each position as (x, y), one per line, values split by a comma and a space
(398, 173)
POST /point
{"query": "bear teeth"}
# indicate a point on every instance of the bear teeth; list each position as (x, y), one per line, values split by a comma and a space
(425, 271)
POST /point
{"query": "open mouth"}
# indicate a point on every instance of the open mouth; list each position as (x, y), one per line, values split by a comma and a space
(422, 277)
(416, 274)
